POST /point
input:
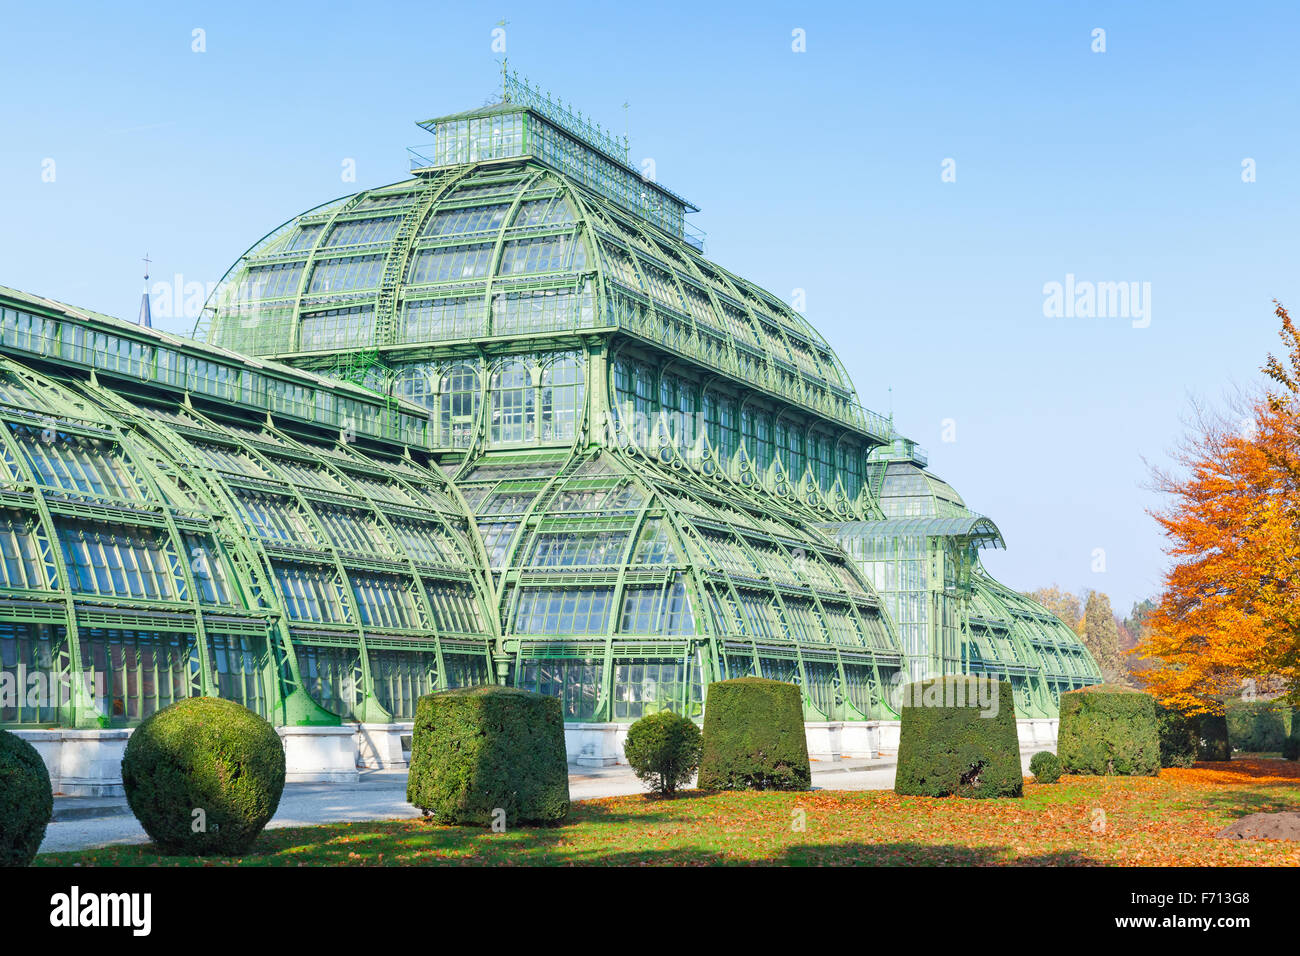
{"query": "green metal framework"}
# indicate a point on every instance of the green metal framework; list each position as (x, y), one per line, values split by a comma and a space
(501, 421)
(951, 616)
(177, 520)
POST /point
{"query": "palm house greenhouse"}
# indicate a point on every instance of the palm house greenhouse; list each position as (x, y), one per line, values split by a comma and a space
(500, 421)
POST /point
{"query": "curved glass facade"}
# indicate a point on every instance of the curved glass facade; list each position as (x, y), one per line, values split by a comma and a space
(159, 543)
(502, 421)
(950, 615)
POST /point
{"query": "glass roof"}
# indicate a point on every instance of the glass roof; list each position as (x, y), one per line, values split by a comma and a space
(512, 249)
(967, 526)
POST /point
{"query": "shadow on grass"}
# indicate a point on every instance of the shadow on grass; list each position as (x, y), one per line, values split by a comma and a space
(1242, 803)
(599, 837)
(681, 796)
(923, 854)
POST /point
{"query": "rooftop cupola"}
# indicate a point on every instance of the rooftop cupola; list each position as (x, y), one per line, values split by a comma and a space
(527, 123)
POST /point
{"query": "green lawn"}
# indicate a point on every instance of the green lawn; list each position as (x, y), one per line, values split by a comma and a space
(1167, 820)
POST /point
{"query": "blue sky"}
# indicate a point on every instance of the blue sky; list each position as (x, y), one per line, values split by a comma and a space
(817, 170)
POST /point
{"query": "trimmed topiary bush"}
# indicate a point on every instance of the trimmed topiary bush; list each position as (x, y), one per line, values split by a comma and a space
(1258, 726)
(476, 750)
(1045, 766)
(1109, 730)
(1180, 737)
(1213, 742)
(26, 800)
(958, 736)
(754, 737)
(204, 776)
(1291, 746)
(663, 750)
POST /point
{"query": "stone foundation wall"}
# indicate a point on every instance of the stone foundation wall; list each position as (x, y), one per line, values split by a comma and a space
(88, 763)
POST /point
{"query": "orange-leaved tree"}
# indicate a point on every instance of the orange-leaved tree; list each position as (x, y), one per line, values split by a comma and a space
(1230, 611)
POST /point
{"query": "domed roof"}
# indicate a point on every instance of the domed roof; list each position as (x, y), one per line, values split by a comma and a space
(907, 490)
(510, 249)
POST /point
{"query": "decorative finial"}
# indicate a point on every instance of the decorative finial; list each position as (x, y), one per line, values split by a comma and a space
(146, 313)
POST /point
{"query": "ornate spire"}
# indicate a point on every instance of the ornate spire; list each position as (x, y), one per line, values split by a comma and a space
(146, 316)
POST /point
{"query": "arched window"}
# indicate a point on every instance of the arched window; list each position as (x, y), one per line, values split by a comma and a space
(562, 396)
(749, 433)
(710, 404)
(728, 429)
(825, 463)
(687, 410)
(644, 405)
(416, 383)
(624, 393)
(764, 454)
(514, 410)
(458, 405)
(677, 400)
(668, 385)
(794, 460)
(850, 468)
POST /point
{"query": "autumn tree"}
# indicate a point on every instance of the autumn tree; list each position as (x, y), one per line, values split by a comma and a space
(1231, 605)
(1137, 623)
(1101, 637)
(1137, 626)
(1063, 604)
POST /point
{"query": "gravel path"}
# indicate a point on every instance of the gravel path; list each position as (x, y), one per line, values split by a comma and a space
(80, 823)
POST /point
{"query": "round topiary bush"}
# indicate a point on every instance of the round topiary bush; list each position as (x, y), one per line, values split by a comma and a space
(754, 737)
(958, 736)
(1045, 766)
(1109, 730)
(663, 750)
(204, 776)
(1179, 737)
(480, 752)
(26, 800)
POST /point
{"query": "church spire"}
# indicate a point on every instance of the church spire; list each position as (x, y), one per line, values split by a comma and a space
(146, 316)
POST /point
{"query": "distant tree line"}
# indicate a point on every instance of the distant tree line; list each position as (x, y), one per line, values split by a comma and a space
(1109, 638)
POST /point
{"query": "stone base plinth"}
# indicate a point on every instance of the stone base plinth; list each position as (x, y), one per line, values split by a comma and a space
(595, 745)
(319, 754)
(383, 746)
(81, 763)
(1038, 733)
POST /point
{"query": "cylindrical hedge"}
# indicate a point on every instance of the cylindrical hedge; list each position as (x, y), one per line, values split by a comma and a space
(1291, 746)
(754, 737)
(1258, 726)
(1179, 737)
(958, 736)
(477, 750)
(1214, 740)
(1109, 730)
(204, 776)
(26, 800)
